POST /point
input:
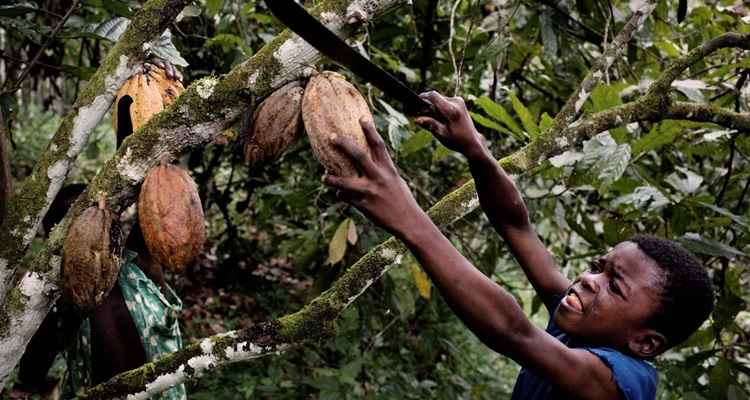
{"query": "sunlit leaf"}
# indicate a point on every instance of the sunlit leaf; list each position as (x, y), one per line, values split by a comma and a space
(497, 112)
(421, 280)
(337, 245)
(527, 120)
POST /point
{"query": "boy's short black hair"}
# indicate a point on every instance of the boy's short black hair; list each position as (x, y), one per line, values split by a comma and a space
(687, 297)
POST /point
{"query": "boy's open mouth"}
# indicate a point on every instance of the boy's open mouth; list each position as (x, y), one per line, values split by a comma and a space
(573, 301)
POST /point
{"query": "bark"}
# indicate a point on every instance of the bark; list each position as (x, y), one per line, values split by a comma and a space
(35, 194)
(6, 177)
(197, 117)
(200, 114)
(316, 320)
(613, 51)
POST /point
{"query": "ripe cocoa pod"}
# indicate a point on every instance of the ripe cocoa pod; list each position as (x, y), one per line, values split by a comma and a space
(146, 100)
(92, 253)
(171, 217)
(275, 125)
(332, 107)
(169, 88)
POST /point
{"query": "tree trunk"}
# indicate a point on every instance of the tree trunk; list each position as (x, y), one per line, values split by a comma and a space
(201, 113)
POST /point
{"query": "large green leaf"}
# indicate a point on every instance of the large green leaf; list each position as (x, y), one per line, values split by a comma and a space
(527, 120)
(498, 113)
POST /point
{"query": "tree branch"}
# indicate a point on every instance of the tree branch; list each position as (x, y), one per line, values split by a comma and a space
(6, 177)
(315, 320)
(201, 113)
(614, 51)
(35, 194)
(209, 105)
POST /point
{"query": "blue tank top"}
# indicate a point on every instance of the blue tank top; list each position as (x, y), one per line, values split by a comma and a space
(635, 379)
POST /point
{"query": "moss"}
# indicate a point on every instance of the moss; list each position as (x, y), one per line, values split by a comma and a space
(14, 304)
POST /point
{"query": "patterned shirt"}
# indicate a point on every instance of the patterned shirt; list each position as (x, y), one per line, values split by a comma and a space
(156, 319)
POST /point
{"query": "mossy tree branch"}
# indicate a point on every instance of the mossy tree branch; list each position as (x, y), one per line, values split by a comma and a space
(200, 114)
(316, 320)
(613, 51)
(25, 211)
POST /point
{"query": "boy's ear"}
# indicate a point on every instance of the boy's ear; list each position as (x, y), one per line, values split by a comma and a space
(648, 343)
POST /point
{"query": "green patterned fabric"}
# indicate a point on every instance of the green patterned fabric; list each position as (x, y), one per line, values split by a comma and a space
(155, 316)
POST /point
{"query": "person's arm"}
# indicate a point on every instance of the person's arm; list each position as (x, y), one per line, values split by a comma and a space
(498, 195)
(488, 310)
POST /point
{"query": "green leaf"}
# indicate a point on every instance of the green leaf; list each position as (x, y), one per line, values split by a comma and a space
(545, 122)
(527, 120)
(723, 211)
(397, 123)
(164, 48)
(497, 112)
(660, 134)
(228, 43)
(337, 246)
(111, 29)
(17, 10)
(720, 377)
(698, 244)
(549, 36)
(415, 142)
(213, 7)
(488, 123)
(611, 167)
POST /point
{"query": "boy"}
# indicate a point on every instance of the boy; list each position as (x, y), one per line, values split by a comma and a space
(643, 297)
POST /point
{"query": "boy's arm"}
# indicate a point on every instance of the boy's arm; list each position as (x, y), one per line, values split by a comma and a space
(488, 310)
(498, 195)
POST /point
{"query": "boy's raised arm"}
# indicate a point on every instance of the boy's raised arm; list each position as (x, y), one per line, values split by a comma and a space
(498, 195)
(488, 310)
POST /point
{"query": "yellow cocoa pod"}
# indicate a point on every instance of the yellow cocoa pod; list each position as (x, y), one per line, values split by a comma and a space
(145, 99)
(171, 217)
(276, 125)
(332, 107)
(92, 253)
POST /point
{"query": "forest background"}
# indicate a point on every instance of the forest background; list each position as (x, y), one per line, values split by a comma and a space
(652, 138)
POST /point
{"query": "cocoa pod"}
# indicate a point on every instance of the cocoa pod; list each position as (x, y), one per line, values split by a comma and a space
(169, 88)
(331, 108)
(171, 217)
(92, 253)
(145, 99)
(275, 125)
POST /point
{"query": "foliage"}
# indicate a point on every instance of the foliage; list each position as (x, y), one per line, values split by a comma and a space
(278, 237)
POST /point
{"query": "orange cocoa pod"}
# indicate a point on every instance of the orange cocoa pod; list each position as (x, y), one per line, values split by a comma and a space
(276, 125)
(92, 253)
(146, 100)
(169, 88)
(171, 217)
(331, 108)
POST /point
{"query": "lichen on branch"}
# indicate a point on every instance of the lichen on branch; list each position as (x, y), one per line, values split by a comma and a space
(201, 113)
(25, 211)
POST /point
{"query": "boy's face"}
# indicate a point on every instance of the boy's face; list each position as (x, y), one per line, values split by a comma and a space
(610, 303)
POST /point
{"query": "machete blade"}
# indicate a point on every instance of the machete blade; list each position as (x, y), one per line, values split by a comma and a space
(297, 19)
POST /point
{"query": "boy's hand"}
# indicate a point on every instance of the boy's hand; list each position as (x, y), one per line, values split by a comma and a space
(380, 193)
(459, 133)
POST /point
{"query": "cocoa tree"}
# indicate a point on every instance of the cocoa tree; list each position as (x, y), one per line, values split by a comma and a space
(212, 104)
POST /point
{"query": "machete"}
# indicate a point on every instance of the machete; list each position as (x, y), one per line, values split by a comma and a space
(296, 18)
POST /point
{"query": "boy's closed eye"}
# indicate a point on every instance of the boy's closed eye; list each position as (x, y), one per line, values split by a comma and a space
(615, 277)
